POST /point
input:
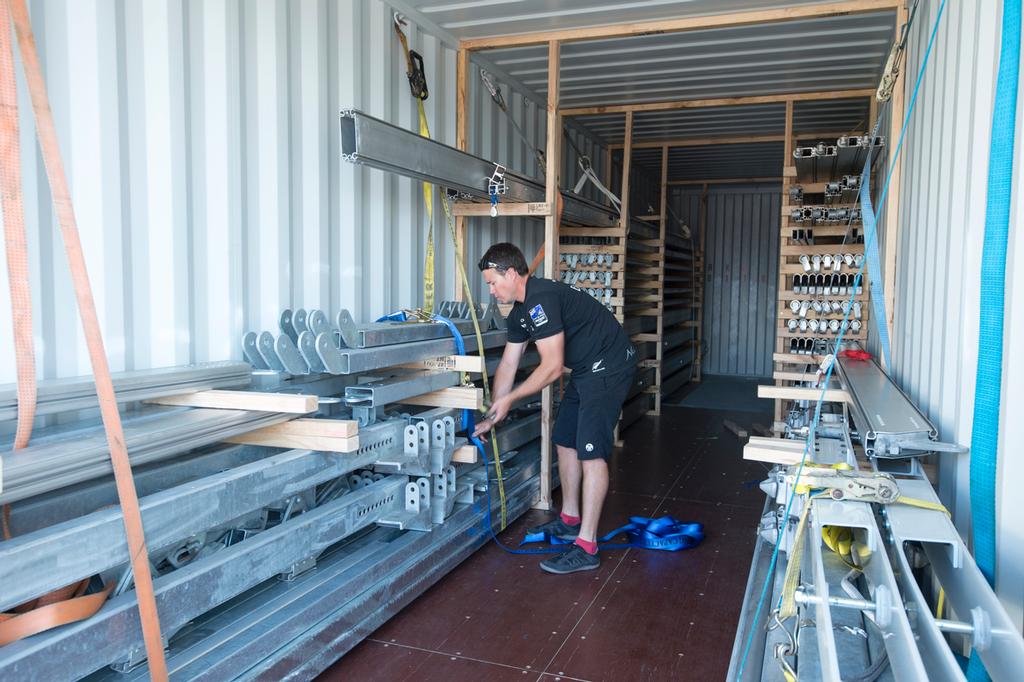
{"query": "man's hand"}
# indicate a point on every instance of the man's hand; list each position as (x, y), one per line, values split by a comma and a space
(498, 412)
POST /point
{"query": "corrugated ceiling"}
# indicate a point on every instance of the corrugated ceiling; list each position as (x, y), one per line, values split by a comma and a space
(485, 18)
(843, 52)
(813, 55)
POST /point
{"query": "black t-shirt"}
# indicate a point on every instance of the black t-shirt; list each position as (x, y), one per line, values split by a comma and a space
(595, 342)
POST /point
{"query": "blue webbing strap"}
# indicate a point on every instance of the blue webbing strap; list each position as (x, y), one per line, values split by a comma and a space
(665, 533)
(987, 395)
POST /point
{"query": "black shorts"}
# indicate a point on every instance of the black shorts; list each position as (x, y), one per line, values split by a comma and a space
(589, 411)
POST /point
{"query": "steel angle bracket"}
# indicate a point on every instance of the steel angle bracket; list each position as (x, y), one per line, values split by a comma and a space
(265, 343)
(289, 355)
(417, 514)
(444, 495)
(251, 351)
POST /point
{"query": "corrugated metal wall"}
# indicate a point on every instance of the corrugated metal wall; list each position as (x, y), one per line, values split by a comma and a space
(942, 216)
(741, 270)
(200, 141)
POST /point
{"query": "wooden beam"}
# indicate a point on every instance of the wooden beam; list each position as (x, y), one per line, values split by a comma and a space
(774, 450)
(451, 363)
(735, 429)
(467, 454)
(553, 158)
(627, 159)
(325, 435)
(718, 102)
(897, 110)
(289, 403)
(722, 139)
(461, 138)
(832, 395)
(464, 397)
(661, 26)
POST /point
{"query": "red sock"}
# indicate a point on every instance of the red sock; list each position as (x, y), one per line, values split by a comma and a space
(588, 547)
(570, 520)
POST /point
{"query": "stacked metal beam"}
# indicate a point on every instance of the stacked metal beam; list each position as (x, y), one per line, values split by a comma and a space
(79, 393)
(875, 605)
(225, 527)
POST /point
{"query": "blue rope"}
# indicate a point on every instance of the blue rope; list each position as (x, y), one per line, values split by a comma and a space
(987, 396)
(828, 374)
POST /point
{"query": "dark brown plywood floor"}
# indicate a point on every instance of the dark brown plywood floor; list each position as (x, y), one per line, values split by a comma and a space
(643, 615)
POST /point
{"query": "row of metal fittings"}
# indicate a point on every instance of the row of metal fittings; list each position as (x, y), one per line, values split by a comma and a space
(823, 326)
(825, 214)
(824, 307)
(573, 277)
(808, 346)
(827, 285)
(835, 262)
(576, 259)
(848, 183)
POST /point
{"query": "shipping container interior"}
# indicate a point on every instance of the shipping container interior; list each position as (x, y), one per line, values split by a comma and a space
(255, 460)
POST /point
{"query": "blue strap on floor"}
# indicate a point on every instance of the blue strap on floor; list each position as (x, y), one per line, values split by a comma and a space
(988, 388)
(874, 263)
(664, 533)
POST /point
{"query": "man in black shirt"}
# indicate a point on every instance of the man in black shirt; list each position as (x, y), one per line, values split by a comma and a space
(571, 330)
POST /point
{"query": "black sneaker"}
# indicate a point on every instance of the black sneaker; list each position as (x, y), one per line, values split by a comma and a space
(570, 561)
(557, 529)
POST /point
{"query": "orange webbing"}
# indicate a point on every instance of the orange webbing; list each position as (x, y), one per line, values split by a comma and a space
(17, 247)
(94, 340)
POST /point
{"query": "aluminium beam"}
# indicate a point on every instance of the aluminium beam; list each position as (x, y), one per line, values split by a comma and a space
(357, 360)
(79, 393)
(394, 389)
(296, 631)
(372, 142)
(83, 454)
(34, 564)
(114, 632)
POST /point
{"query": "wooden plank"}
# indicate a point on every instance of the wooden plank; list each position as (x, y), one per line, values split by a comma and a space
(289, 403)
(832, 395)
(553, 159)
(591, 232)
(627, 158)
(466, 208)
(892, 204)
(452, 363)
(795, 359)
(795, 376)
(775, 452)
(461, 130)
(860, 336)
(316, 428)
(820, 249)
(720, 102)
(466, 454)
(681, 24)
(736, 430)
(595, 248)
(465, 397)
(324, 435)
(646, 337)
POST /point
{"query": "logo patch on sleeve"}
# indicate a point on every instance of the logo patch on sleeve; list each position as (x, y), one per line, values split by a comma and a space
(538, 315)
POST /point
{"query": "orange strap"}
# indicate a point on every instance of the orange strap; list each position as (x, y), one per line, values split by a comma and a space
(15, 626)
(16, 245)
(94, 340)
